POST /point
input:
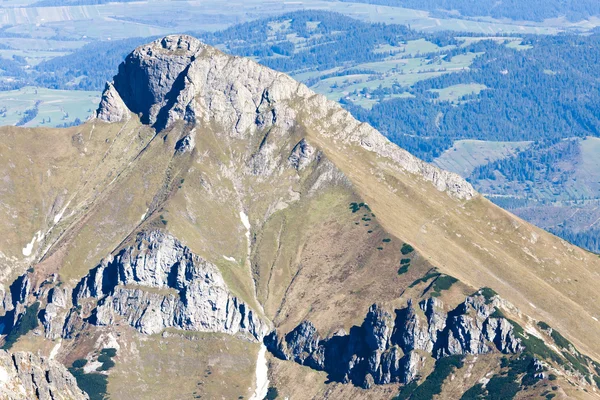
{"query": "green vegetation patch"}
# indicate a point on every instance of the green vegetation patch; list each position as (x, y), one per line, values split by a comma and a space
(406, 391)
(26, 323)
(94, 383)
(425, 278)
(474, 393)
(544, 326)
(272, 393)
(560, 340)
(433, 383)
(405, 261)
(443, 282)
(520, 371)
(488, 294)
(577, 361)
(497, 314)
(406, 249)
(355, 207)
(105, 358)
(403, 269)
(535, 345)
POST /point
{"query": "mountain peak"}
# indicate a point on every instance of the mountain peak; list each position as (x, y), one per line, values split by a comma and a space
(180, 78)
(214, 200)
(150, 80)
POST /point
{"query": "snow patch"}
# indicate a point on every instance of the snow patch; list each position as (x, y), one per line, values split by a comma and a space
(3, 376)
(58, 216)
(229, 258)
(54, 351)
(246, 223)
(262, 375)
(29, 247)
(91, 367)
(245, 220)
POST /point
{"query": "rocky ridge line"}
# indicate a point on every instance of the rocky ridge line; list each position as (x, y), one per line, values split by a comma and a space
(180, 78)
(390, 348)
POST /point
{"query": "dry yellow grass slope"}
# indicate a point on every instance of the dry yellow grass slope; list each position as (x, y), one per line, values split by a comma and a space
(284, 237)
(482, 245)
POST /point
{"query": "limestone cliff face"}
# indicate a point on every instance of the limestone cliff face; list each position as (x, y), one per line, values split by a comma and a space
(159, 283)
(180, 78)
(111, 108)
(14, 302)
(24, 376)
(390, 348)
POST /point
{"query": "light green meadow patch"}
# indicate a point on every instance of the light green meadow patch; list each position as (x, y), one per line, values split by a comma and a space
(55, 107)
(368, 103)
(517, 45)
(466, 155)
(455, 92)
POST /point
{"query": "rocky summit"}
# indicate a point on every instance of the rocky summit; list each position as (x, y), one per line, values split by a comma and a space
(218, 230)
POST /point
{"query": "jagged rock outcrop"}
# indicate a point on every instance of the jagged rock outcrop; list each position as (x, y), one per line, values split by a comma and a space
(159, 283)
(152, 77)
(180, 78)
(26, 376)
(14, 302)
(387, 349)
(472, 329)
(302, 155)
(111, 107)
(54, 315)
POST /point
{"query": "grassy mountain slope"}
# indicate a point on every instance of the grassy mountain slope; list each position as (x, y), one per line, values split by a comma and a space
(305, 213)
(481, 244)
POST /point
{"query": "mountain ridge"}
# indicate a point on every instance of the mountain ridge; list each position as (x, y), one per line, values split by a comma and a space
(305, 213)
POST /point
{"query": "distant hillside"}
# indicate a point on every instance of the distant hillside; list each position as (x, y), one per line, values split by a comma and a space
(62, 3)
(531, 10)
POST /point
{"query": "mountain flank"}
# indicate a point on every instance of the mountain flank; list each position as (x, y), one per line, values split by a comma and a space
(220, 227)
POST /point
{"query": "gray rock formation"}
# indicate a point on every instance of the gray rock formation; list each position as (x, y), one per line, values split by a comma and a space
(471, 329)
(302, 155)
(159, 283)
(111, 108)
(385, 349)
(14, 302)
(24, 376)
(180, 78)
(54, 315)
